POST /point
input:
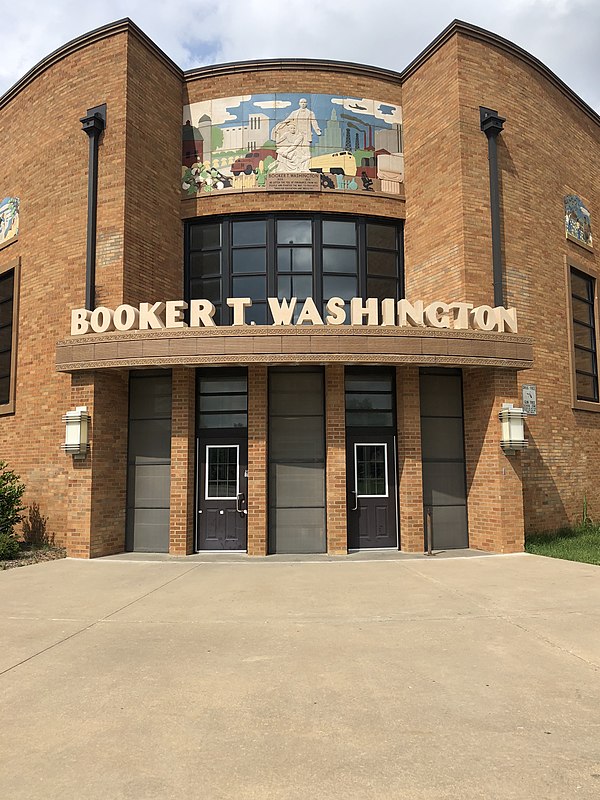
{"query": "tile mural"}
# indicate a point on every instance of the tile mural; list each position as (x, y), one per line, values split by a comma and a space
(578, 223)
(9, 219)
(292, 142)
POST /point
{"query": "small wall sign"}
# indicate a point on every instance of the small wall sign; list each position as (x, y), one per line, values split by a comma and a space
(529, 398)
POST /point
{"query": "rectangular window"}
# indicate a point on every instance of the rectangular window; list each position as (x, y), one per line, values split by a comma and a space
(222, 399)
(583, 316)
(8, 335)
(370, 464)
(222, 471)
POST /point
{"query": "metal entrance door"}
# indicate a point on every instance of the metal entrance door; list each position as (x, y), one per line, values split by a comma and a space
(371, 482)
(222, 494)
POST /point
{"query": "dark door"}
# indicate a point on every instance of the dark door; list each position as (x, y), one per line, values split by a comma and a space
(371, 484)
(222, 493)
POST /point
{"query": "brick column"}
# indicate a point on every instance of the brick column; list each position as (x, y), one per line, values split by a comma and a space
(97, 484)
(257, 460)
(335, 442)
(410, 470)
(183, 445)
(494, 481)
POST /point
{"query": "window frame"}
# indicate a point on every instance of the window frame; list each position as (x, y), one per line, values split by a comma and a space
(586, 271)
(271, 248)
(15, 267)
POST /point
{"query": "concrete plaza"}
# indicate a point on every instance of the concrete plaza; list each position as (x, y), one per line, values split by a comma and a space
(353, 678)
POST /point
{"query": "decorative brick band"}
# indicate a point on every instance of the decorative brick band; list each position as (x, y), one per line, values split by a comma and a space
(280, 345)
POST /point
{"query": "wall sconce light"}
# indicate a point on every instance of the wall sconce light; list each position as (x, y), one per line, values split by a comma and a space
(76, 432)
(513, 429)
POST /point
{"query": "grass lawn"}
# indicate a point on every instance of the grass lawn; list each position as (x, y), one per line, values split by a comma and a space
(580, 543)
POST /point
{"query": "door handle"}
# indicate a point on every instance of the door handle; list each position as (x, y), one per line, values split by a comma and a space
(355, 501)
(240, 498)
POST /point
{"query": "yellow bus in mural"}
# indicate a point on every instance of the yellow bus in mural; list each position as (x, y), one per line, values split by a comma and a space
(342, 163)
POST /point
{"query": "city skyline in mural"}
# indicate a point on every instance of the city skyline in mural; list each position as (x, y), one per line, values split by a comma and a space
(292, 141)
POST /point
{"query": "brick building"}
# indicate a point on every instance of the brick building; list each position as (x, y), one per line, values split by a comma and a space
(294, 328)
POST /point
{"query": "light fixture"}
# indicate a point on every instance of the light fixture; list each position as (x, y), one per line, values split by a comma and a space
(76, 432)
(513, 428)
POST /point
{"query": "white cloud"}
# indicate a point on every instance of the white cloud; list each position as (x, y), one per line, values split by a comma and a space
(272, 103)
(564, 34)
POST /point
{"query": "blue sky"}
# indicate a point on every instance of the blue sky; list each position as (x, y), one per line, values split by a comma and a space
(564, 34)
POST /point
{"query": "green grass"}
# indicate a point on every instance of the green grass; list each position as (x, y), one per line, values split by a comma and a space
(579, 543)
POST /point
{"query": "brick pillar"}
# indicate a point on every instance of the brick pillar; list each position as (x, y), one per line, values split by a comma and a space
(494, 481)
(97, 483)
(335, 441)
(183, 444)
(410, 470)
(257, 460)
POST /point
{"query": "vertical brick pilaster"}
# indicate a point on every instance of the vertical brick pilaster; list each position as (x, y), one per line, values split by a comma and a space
(410, 470)
(181, 521)
(257, 460)
(97, 483)
(494, 480)
(335, 440)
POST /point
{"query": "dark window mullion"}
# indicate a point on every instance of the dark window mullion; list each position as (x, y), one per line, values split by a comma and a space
(318, 261)
(400, 242)
(361, 238)
(226, 286)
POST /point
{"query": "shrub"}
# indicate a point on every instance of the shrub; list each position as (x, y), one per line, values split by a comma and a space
(35, 532)
(9, 546)
(11, 492)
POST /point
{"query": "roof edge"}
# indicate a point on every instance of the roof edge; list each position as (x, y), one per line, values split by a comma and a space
(124, 25)
(458, 26)
(267, 64)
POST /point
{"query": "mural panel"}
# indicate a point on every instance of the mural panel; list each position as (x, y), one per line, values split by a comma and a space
(578, 223)
(9, 219)
(296, 142)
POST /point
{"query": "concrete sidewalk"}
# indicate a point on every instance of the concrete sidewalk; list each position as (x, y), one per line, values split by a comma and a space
(405, 678)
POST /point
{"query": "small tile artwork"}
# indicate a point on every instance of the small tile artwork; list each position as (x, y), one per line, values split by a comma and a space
(9, 219)
(300, 142)
(578, 223)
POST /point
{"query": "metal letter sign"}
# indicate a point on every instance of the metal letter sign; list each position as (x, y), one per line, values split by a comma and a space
(530, 398)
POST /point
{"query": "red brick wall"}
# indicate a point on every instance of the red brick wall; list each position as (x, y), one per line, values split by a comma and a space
(257, 460)
(494, 480)
(410, 473)
(51, 182)
(335, 441)
(548, 148)
(181, 528)
(97, 485)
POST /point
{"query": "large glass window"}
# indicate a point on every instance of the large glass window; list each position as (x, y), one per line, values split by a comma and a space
(222, 398)
(584, 335)
(8, 293)
(369, 397)
(284, 256)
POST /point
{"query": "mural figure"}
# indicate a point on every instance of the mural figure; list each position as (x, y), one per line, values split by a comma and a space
(291, 150)
(246, 142)
(293, 137)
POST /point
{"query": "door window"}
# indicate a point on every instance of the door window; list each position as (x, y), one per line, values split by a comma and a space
(371, 476)
(222, 472)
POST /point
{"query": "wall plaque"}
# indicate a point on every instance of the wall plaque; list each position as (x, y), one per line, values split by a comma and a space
(294, 181)
(529, 397)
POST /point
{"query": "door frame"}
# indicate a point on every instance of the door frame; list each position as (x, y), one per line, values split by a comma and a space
(391, 449)
(202, 445)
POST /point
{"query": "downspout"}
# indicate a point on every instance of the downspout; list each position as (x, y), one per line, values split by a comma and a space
(492, 124)
(93, 124)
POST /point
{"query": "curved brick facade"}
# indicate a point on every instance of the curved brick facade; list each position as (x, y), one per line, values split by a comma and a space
(549, 149)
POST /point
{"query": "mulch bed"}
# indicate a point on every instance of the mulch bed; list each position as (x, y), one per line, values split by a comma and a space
(27, 557)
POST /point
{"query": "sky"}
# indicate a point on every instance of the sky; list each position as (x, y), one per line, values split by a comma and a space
(563, 34)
